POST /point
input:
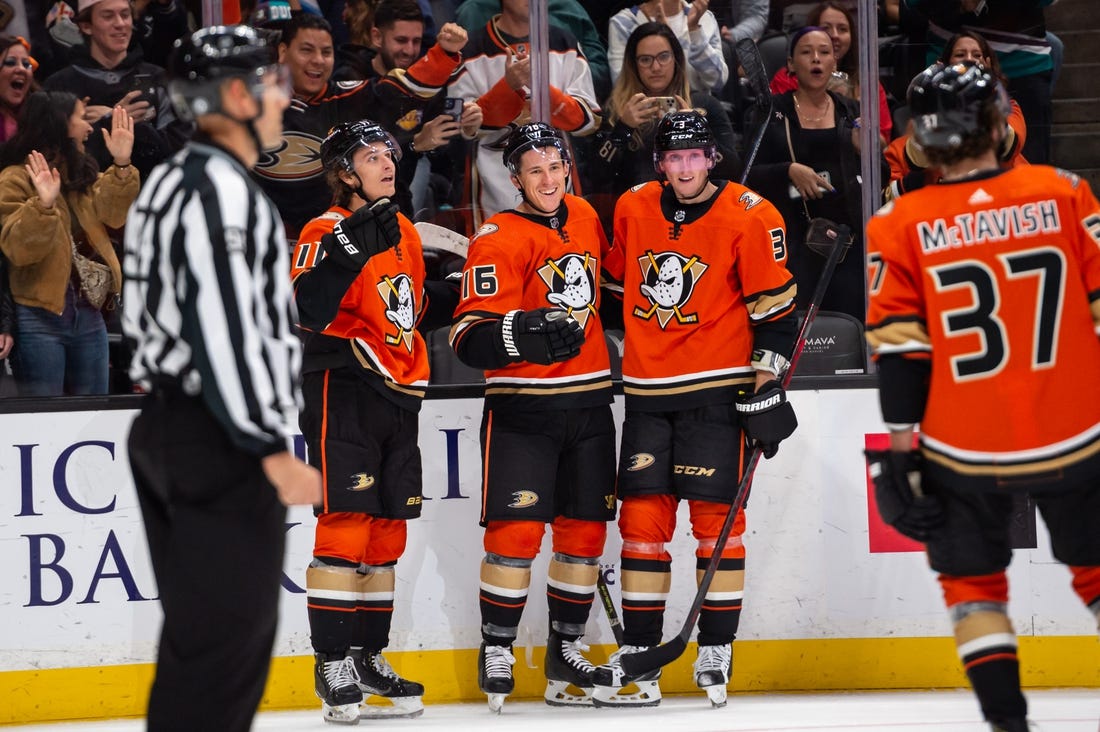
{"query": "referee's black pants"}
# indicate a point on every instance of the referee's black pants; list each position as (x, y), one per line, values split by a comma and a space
(215, 529)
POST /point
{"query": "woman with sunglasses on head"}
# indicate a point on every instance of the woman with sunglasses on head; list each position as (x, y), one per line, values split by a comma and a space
(653, 82)
(16, 81)
(836, 20)
(808, 165)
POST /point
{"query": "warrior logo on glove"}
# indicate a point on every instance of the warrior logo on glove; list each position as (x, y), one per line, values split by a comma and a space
(668, 281)
(572, 284)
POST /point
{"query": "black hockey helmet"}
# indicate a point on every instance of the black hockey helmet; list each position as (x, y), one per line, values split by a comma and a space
(530, 136)
(946, 102)
(201, 61)
(683, 130)
(345, 138)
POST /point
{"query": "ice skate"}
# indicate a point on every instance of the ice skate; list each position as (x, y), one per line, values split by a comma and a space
(566, 667)
(612, 686)
(712, 672)
(337, 685)
(377, 678)
(494, 674)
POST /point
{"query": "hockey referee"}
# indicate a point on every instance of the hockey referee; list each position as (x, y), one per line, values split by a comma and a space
(208, 308)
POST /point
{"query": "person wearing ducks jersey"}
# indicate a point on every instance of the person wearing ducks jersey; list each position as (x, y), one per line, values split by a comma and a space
(359, 283)
(709, 312)
(529, 317)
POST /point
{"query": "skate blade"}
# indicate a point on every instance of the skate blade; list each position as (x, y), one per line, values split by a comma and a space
(400, 707)
(496, 702)
(559, 694)
(717, 695)
(340, 714)
(648, 694)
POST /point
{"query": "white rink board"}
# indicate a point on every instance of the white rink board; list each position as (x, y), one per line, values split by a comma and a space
(76, 588)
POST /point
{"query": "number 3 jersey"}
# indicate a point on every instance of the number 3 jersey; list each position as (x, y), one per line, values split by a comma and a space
(704, 285)
(994, 282)
(523, 262)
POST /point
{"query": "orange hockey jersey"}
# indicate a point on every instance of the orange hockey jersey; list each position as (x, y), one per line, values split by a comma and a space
(521, 262)
(377, 315)
(698, 282)
(996, 280)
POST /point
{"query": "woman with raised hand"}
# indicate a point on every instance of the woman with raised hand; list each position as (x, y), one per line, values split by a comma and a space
(55, 207)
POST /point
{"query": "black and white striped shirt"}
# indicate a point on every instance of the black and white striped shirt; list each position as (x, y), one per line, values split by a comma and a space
(207, 298)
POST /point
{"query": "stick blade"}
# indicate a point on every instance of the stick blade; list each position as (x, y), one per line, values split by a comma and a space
(643, 662)
(440, 237)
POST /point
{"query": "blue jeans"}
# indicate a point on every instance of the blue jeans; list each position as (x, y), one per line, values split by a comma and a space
(60, 354)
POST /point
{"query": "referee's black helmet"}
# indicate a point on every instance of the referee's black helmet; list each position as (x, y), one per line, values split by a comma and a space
(201, 61)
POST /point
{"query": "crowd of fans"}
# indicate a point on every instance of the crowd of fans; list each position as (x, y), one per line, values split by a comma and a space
(613, 71)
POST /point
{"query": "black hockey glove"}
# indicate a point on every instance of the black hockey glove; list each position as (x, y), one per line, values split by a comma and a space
(767, 416)
(368, 231)
(542, 336)
(901, 502)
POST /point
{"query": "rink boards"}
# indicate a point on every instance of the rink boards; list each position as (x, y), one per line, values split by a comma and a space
(833, 599)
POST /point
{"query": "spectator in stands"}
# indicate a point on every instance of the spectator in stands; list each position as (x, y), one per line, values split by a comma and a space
(7, 328)
(1016, 32)
(497, 75)
(108, 70)
(840, 24)
(54, 206)
(567, 14)
(395, 44)
(809, 165)
(694, 26)
(16, 81)
(157, 25)
(654, 68)
(739, 19)
(291, 174)
(909, 166)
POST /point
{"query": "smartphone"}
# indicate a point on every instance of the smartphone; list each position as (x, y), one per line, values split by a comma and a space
(666, 105)
(145, 83)
(453, 107)
(793, 192)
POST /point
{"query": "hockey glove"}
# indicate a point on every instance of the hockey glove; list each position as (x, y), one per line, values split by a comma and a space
(901, 502)
(368, 231)
(543, 336)
(767, 417)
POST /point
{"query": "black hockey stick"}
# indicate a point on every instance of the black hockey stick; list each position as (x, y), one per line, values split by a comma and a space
(748, 55)
(643, 662)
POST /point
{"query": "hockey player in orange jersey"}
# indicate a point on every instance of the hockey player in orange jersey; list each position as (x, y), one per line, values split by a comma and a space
(529, 317)
(984, 319)
(359, 283)
(709, 311)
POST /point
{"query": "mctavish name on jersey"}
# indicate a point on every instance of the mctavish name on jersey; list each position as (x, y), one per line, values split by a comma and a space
(989, 225)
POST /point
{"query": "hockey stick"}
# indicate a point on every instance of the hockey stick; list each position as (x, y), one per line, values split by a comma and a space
(609, 608)
(643, 662)
(748, 55)
(440, 237)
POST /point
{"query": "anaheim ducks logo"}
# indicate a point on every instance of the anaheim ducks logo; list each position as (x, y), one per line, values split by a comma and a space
(410, 120)
(297, 157)
(640, 461)
(361, 482)
(750, 199)
(572, 284)
(668, 281)
(523, 499)
(397, 293)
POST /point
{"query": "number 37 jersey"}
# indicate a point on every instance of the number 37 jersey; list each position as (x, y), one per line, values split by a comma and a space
(996, 280)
